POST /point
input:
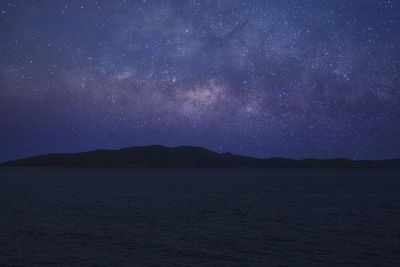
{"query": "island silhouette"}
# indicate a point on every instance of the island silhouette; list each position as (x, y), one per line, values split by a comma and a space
(158, 156)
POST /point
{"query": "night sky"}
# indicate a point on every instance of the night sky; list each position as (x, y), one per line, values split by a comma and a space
(277, 78)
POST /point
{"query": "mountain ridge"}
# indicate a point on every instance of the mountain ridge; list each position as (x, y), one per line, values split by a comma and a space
(159, 156)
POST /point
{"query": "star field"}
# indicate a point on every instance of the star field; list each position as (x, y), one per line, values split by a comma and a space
(285, 78)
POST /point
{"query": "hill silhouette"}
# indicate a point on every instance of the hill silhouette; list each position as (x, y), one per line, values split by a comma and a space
(158, 156)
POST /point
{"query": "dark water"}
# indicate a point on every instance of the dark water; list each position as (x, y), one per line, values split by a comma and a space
(73, 217)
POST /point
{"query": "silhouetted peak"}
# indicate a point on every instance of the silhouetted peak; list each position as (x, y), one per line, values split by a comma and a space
(184, 157)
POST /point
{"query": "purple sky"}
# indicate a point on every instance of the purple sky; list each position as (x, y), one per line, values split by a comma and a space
(279, 78)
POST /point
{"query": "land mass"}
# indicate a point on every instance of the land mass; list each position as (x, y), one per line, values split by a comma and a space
(158, 156)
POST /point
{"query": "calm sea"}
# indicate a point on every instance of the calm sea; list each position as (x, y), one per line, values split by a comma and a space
(199, 217)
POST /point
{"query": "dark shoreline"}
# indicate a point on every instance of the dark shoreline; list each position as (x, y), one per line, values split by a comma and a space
(187, 157)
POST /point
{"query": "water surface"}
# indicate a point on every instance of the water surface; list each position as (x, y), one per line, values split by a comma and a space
(204, 217)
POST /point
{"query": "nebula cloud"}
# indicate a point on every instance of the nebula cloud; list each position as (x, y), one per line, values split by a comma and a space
(262, 78)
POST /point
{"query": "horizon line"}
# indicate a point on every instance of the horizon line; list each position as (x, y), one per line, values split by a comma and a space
(201, 147)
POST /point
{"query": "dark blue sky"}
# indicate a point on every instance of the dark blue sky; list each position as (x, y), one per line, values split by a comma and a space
(285, 78)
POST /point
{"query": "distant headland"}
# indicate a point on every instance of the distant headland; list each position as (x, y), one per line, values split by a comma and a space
(158, 156)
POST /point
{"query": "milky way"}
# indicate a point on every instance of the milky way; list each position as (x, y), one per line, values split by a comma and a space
(278, 78)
